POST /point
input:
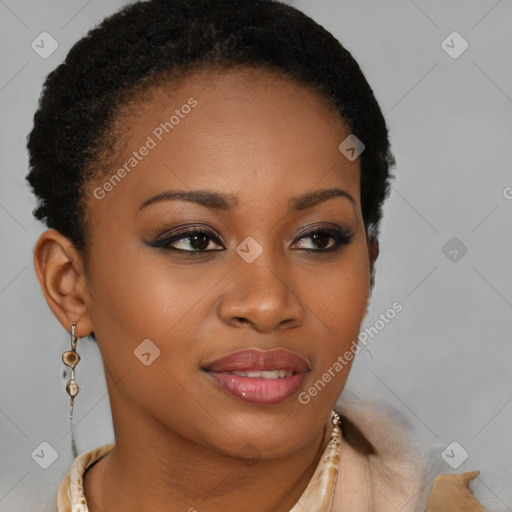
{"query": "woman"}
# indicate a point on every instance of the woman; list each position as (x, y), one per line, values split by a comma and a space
(213, 175)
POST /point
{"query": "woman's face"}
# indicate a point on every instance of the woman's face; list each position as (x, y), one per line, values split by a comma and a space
(255, 277)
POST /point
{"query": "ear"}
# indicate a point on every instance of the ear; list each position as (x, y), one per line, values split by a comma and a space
(60, 271)
(373, 253)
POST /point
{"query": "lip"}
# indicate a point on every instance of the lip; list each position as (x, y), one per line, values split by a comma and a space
(260, 360)
(259, 390)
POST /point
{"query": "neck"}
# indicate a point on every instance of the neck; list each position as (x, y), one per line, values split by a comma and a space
(154, 468)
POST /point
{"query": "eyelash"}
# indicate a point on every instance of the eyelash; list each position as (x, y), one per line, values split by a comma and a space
(340, 236)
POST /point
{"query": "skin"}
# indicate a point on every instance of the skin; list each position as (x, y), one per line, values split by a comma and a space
(180, 439)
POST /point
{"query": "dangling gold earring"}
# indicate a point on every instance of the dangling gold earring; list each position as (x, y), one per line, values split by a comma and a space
(71, 359)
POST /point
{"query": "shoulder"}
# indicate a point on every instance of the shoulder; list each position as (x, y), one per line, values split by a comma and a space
(381, 458)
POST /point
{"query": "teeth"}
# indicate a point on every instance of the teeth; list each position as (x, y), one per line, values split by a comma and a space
(272, 374)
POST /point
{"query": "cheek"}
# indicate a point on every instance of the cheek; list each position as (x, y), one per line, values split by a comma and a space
(143, 292)
(338, 293)
(133, 301)
(337, 298)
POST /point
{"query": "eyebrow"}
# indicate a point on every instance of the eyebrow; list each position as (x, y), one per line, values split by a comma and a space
(228, 202)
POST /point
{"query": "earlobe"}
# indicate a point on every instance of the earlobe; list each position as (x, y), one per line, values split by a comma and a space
(59, 269)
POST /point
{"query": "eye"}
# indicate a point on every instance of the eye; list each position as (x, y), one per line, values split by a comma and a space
(191, 240)
(198, 240)
(326, 239)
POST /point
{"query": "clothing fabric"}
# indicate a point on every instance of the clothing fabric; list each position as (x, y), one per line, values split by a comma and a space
(382, 460)
(379, 470)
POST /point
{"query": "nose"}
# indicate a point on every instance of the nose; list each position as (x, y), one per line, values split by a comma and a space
(261, 296)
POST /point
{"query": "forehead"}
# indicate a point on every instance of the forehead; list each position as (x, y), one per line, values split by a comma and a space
(235, 130)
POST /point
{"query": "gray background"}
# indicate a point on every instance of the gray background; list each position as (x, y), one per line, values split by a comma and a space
(444, 361)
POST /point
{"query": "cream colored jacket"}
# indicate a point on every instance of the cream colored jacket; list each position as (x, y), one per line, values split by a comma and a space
(383, 470)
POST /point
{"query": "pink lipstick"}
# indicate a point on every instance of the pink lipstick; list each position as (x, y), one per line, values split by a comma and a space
(262, 377)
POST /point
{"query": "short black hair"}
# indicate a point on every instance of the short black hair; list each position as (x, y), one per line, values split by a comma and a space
(160, 38)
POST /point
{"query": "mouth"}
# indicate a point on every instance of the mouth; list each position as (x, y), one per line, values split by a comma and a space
(260, 377)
